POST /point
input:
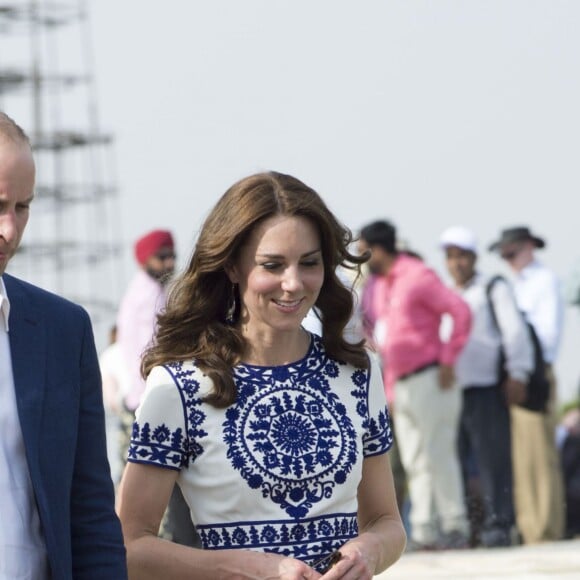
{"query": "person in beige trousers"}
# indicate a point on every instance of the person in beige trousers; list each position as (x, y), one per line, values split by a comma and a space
(538, 486)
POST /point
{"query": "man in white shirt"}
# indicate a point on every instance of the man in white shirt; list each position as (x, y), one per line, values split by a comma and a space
(484, 433)
(57, 517)
(539, 496)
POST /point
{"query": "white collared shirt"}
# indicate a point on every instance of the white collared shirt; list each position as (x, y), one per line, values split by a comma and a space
(22, 548)
(539, 297)
(478, 363)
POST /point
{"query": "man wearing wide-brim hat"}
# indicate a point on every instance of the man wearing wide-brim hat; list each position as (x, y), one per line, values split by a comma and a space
(538, 490)
(514, 237)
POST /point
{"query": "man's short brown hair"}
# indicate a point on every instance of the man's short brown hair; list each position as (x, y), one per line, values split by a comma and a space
(11, 131)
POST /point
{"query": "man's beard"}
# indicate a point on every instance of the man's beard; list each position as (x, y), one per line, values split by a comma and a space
(162, 276)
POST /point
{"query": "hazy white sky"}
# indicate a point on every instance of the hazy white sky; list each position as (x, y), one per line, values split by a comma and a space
(427, 113)
(430, 113)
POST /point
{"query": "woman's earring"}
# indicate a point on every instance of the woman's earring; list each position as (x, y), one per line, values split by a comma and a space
(232, 306)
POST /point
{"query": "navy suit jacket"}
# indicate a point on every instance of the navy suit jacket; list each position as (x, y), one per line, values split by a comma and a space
(59, 401)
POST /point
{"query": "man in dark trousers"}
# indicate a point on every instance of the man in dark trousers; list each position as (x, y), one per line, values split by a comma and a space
(484, 426)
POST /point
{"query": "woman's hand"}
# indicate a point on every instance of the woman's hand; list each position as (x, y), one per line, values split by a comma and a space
(291, 569)
(382, 537)
(250, 565)
(356, 563)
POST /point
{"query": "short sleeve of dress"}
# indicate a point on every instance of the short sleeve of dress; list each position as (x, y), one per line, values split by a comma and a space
(159, 434)
(378, 437)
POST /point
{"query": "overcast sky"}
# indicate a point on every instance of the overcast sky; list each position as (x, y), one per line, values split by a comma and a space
(429, 113)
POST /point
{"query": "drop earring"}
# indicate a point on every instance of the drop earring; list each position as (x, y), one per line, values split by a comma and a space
(232, 306)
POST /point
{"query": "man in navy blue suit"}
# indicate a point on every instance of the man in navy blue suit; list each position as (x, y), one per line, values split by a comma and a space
(57, 518)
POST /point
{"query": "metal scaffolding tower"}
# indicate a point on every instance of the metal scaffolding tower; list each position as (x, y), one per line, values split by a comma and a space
(47, 84)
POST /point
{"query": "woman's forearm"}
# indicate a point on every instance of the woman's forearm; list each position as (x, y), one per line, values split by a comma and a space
(151, 558)
(386, 538)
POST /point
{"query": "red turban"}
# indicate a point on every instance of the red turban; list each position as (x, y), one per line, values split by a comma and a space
(151, 243)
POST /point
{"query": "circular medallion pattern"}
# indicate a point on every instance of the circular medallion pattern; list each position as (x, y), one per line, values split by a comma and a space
(290, 437)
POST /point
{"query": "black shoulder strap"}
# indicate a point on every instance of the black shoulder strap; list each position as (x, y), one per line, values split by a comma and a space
(488, 289)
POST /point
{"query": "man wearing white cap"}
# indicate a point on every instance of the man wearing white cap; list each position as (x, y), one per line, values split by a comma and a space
(484, 433)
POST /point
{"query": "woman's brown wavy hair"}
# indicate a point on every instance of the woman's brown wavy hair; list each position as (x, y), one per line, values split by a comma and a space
(193, 324)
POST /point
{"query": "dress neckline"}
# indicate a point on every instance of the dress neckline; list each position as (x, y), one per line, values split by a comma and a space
(282, 372)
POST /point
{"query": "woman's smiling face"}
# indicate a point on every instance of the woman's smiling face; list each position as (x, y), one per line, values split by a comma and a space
(280, 272)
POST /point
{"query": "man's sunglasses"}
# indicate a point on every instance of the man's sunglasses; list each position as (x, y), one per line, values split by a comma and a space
(165, 256)
(510, 255)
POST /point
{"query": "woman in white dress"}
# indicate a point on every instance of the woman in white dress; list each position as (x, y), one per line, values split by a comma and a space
(277, 437)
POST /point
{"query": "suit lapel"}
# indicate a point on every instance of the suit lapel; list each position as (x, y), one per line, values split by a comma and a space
(28, 351)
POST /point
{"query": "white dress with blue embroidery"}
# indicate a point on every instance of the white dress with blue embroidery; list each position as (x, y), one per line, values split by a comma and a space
(278, 470)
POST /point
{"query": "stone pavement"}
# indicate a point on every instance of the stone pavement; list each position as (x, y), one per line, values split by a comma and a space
(557, 560)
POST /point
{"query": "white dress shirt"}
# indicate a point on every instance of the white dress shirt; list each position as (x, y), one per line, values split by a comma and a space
(22, 548)
(478, 363)
(539, 297)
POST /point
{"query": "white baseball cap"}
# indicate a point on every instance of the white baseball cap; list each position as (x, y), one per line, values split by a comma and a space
(460, 237)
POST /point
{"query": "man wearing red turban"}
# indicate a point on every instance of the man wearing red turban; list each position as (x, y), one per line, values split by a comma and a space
(144, 298)
(155, 254)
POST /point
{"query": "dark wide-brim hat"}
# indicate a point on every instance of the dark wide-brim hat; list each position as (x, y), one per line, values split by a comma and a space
(519, 234)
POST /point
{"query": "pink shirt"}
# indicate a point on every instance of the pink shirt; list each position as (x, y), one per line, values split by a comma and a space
(410, 300)
(136, 323)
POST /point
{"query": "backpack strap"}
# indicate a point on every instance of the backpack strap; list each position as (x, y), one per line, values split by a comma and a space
(538, 387)
(488, 290)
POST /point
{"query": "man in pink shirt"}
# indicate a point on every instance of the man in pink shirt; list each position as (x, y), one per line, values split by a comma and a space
(144, 298)
(407, 304)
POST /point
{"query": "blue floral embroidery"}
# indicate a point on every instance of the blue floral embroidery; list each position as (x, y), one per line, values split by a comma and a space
(173, 449)
(294, 434)
(378, 436)
(163, 447)
(294, 441)
(309, 540)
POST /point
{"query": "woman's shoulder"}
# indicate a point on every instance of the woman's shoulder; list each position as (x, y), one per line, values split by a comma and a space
(185, 376)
